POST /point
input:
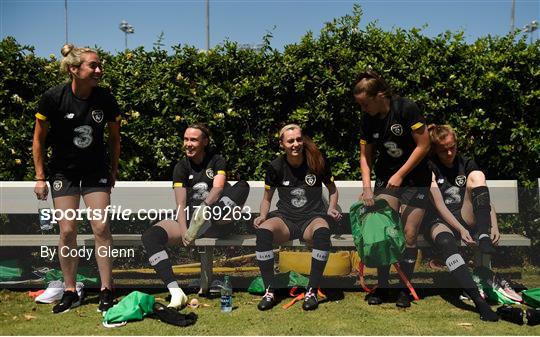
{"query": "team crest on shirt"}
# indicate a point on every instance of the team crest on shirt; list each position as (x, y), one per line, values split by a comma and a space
(57, 185)
(210, 173)
(97, 116)
(461, 180)
(69, 115)
(397, 129)
(310, 179)
(379, 183)
(376, 135)
(285, 183)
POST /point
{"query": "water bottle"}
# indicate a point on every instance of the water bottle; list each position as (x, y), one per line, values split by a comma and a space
(45, 216)
(226, 296)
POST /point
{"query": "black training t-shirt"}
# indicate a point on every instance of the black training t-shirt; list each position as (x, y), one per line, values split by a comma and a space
(299, 190)
(198, 179)
(392, 135)
(76, 127)
(452, 181)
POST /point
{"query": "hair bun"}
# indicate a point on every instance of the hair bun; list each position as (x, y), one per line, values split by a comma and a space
(66, 49)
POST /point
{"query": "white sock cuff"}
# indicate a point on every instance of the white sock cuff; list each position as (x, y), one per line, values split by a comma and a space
(454, 261)
(173, 284)
(263, 256)
(158, 257)
(321, 255)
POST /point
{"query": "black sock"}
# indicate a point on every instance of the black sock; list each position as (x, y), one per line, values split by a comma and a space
(482, 209)
(485, 311)
(446, 242)
(408, 262)
(383, 274)
(154, 240)
(265, 256)
(319, 256)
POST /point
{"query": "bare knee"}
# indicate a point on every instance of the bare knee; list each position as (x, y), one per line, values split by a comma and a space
(277, 227)
(68, 234)
(475, 179)
(102, 231)
(410, 236)
(312, 228)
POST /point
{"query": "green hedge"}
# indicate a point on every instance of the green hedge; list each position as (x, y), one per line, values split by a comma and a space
(489, 90)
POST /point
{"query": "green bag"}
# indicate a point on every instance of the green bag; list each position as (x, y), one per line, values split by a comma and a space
(282, 280)
(532, 297)
(133, 307)
(55, 274)
(9, 270)
(377, 233)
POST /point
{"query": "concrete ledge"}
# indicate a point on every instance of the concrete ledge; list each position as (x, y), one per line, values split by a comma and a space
(345, 241)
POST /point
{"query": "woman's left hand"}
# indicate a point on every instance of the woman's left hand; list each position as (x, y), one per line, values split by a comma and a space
(185, 241)
(394, 181)
(41, 190)
(495, 235)
(334, 213)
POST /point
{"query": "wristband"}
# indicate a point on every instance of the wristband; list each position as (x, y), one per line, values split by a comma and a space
(42, 179)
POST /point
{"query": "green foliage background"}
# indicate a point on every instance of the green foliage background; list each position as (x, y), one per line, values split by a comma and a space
(488, 90)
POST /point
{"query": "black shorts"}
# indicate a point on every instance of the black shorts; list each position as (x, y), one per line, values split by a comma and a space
(72, 183)
(297, 227)
(219, 231)
(432, 220)
(233, 197)
(414, 190)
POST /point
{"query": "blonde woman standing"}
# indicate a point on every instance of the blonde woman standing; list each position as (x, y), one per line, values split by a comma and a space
(73, 117)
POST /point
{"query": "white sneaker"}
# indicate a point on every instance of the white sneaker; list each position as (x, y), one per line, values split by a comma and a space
(507, 289)
(178, 298)
(53, 293)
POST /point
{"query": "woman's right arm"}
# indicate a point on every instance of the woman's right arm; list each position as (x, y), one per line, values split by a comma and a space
(180, 194)
(366, 162)
(265, 207)
(444, 212)
(38, 152)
